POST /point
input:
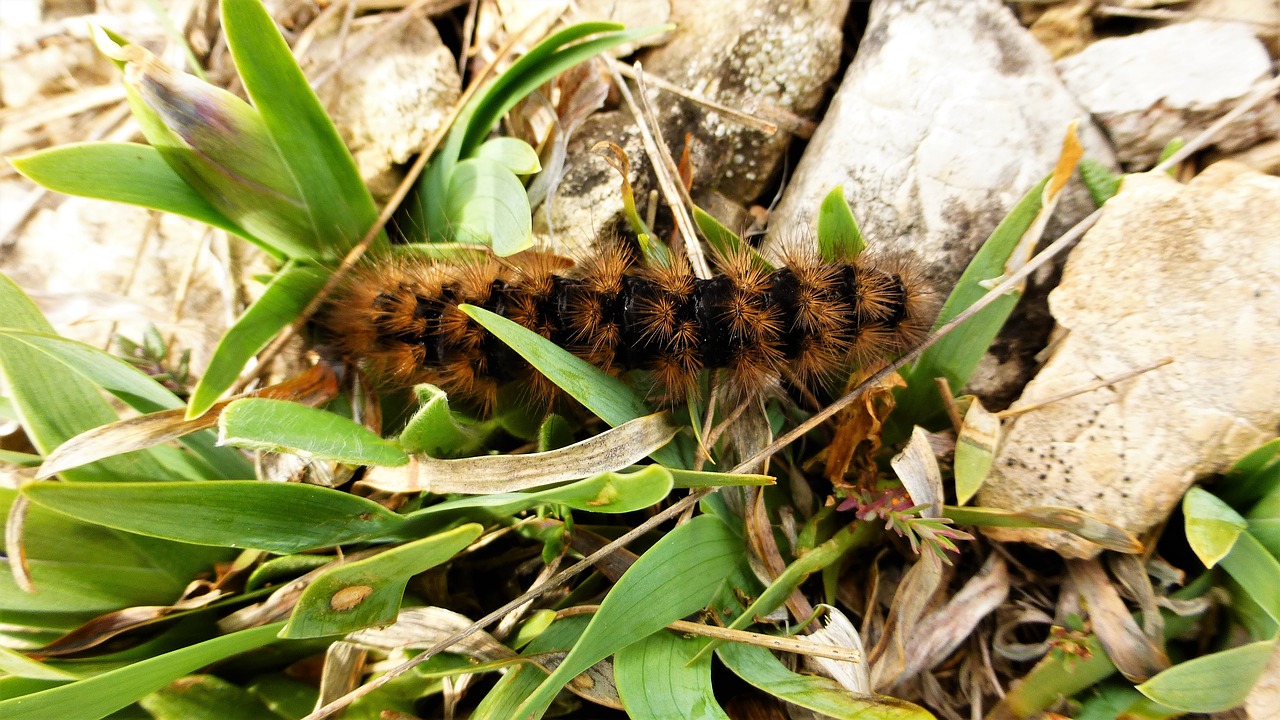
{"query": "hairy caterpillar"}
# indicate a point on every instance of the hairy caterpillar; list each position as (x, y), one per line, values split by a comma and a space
(399, 319)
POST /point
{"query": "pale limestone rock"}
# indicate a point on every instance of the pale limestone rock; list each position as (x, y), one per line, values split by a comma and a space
(1188, 272)
(1149, 88)
(758, 55)
(75, 261)
(950, 112)
(388, 100)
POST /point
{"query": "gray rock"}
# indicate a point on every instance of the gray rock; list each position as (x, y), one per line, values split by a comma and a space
(388, 99)
(949, 113)
(772, 58)
(1190, 272)
(757, 55)
(1149, 88)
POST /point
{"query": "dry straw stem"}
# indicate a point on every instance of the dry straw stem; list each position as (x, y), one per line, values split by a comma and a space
(740, 116)
(783, 643)
(663, 166)
(688, 502)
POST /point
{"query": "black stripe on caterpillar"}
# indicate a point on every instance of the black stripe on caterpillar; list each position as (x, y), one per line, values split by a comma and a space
(399, 319)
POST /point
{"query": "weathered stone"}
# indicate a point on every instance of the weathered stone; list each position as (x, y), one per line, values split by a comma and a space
(747, 54)
(773, 57)
(1188, 272)
(950, 112)
(1175, 81)
(389, 99)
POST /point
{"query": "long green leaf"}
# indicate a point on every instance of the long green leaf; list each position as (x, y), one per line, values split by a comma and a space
(656, 680)
(363, 593)
(283, 426)
(501, 702)
(611, 493)
(341, 207)
(838, 235)
(54, 403)
(281, 303)
(126, 173)
(606, 396)
(679, 575)
(135, 389)
(278, 517)
(104, 694)
(1257, 571)
(549, 58)
(1211, 683)
(955, 356)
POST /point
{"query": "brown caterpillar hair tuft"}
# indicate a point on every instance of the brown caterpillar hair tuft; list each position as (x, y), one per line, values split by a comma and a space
(399, 319)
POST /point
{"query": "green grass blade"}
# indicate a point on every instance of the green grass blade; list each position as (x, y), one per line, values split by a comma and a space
(760, 668)
(341, 207)
(104, 694)
(611, 493)
(135, 389)
(55, 403)
(283, 426)
(543, 62)
(955, 356)
(501, 702)
(128, 173)
(838, 235)
(1211, 683)
(606, 396)
(679, 575)
(1257, 571)
(656, 680)
(277, 517)
(726, 242)
(283, 300)
(367, 592)
(82, 570)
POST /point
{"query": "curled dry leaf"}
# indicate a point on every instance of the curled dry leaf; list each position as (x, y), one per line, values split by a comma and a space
(1069, 520)
(423, 627)
(910, 601)
(609, 451)
(939, 634)
(344, 665)
(917, 468)
(105, 627)
(838, 630)
(317, 385)
(1005, 643)
(1132, 652)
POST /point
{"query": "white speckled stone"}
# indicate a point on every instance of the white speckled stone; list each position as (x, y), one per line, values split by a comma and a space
(1190, 272)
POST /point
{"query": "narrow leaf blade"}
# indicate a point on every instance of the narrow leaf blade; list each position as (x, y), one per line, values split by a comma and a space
(277, 517)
